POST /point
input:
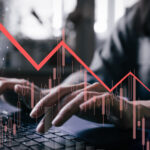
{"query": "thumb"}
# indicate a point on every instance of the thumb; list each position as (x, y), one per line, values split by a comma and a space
(2, 88)
(22, 90)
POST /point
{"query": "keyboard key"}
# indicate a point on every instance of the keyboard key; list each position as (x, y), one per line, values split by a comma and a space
(23, 139)
(70, 148)
(69, 137)
(1, 145)
(53, 145)
(30, 143)
(20, 147)
(18, 136)
(33, 136)
(61, 133)
(80, 145)
(49, 136)
(22, 133)
(21, 129)
(4, 148)
(39, 147)
(30, 132)
(41, 139)
(5, 140)
(11, 143)
(53, 130)
(67, 143)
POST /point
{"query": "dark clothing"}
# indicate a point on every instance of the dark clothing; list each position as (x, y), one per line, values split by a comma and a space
(124, 51)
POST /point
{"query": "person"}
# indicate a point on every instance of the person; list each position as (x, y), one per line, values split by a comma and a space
(127, 49)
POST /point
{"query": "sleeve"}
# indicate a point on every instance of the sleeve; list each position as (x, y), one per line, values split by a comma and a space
(117, 56)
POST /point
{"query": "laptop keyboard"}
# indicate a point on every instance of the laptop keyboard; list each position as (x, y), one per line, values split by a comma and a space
(26, 138)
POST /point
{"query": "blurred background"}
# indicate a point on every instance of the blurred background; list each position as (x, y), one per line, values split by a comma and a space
(37, 25)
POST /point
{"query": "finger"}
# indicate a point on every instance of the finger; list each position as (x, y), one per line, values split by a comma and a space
(37, 112)
(2, 87)
(71, 96)
(71, 108)
(10, 83)
(94, 87)
(26, 91)
(49, 100)
(23, 90)
(46, 121)
(3, 78)
(52, 98)
(13, 81)
(97, 87)
(45, 124)
(94, 101)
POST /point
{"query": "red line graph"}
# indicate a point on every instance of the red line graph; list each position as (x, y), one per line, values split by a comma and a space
(48, 57)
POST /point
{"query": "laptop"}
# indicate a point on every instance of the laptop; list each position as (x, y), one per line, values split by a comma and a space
(75, 134)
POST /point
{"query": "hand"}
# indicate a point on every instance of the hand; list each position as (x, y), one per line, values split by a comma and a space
(121, 110)
(21, 87)
(67, 99)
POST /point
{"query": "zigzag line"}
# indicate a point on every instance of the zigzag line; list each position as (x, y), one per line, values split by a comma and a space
(62, 43)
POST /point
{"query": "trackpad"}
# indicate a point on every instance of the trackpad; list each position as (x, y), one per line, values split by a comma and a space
(94, 133)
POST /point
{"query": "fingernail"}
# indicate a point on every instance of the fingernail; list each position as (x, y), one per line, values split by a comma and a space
(40, 127)
(55, 121)
(33, 112)
(81, 107)
(16, 88)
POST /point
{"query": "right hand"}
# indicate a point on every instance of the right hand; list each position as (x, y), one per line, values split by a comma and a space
(63, 98)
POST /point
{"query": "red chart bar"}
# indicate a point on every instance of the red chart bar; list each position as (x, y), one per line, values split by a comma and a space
(143, 131)
(121, 102)
(32, 95)
(147, 145)
(134, 109)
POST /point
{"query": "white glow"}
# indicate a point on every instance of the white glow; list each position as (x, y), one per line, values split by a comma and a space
(119, 9)
(50, 12)
(101, 12)
(69, 6)
(129, 3)
(57, 21)
(100, 27)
